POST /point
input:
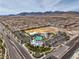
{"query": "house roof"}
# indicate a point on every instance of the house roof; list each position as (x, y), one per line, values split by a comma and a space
(37, 43)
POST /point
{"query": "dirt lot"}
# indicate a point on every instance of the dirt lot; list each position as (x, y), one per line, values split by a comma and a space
(44, 29)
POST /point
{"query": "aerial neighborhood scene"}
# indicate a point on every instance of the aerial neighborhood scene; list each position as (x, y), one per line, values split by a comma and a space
(39, 29)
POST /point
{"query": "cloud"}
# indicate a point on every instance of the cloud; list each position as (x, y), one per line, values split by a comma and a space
(67, 5)
(16, 6)
(47, 3)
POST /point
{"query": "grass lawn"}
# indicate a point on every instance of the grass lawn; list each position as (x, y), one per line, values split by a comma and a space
(38, 55)
(37, 48)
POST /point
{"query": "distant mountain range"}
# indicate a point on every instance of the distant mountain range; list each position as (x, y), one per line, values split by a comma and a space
(44, 13)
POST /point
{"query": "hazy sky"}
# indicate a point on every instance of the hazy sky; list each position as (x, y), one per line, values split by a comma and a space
(17, 6)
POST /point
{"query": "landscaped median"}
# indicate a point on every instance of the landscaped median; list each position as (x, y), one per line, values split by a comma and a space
(2, 50)
(37, 51)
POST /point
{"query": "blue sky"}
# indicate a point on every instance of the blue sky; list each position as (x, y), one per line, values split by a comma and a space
(17, 6)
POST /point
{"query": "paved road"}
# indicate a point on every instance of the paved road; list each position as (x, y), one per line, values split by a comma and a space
(15, 50)
(22, 51)
(13, 54)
